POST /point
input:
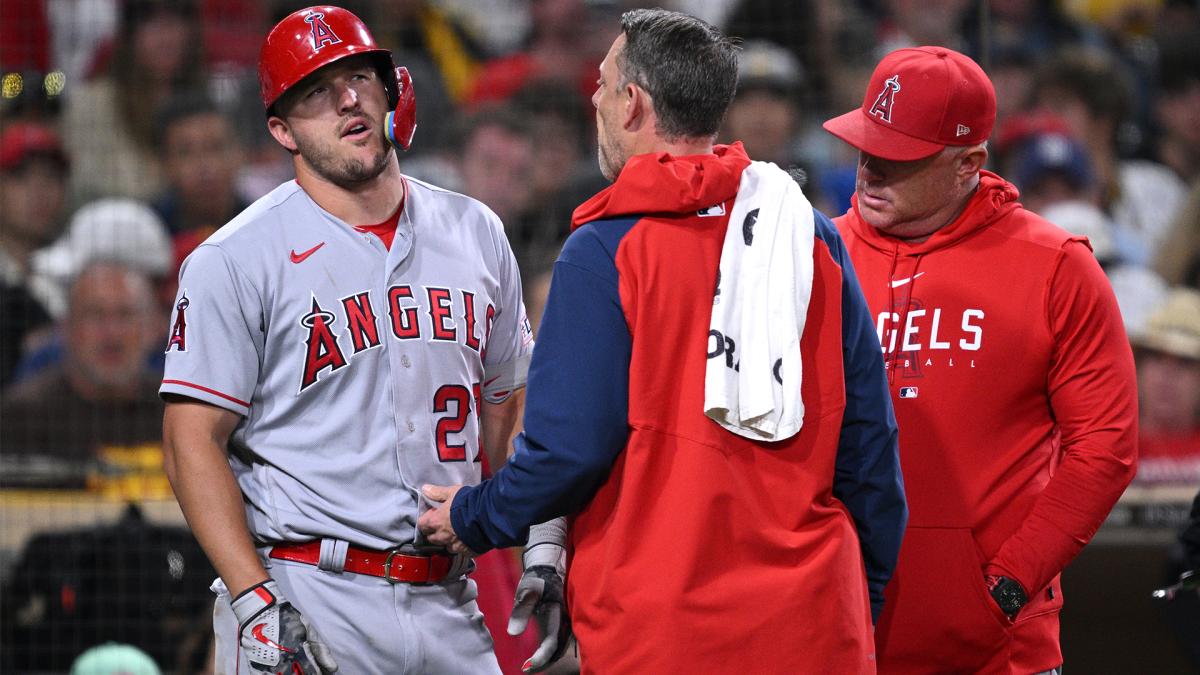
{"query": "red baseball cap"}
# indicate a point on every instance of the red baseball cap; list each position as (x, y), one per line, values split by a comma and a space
(21, 140)
(920, 100)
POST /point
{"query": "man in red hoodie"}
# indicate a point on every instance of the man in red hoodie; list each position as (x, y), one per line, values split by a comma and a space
(693, 549)
(1012, 378)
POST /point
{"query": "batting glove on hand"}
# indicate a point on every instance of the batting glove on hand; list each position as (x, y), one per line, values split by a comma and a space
(275, 637)
(540, 595)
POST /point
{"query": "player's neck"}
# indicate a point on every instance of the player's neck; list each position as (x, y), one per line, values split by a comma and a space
(681, 147)
(372, 202)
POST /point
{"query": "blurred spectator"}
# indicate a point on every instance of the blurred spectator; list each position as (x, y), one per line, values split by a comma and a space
(827, 30)
(33, 172)
(132, 582)
(233, 32)
(200, 156)
(558, 48)
(565, 173)
(112, 230)
(112, 658)
(562, 129)
(1177, 108)
(109, 122)
(1088, 90)
(1035, 28)
(498, 25)
(495, 162)
(1115, 15)
(439, 54)
(24, 36)
(1052, 167)
(102, 394)
(1011, 70)
(1168, 362)
(765, 113)
(913, 23)
(81, 33)
(1179, 260)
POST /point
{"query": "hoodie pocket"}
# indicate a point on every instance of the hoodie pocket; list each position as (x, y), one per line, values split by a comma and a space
(939, 615)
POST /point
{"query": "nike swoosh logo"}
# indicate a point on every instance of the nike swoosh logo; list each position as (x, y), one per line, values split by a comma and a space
(257, 632)
(301, 257)
(489, 382)
(900, 282)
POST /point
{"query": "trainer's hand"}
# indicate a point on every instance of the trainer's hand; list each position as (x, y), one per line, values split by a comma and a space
(540, 595)
(435, 523)
(276, 638)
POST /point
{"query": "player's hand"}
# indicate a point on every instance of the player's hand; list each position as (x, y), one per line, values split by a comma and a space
(276, 638)
(435, 523)
(540, 595)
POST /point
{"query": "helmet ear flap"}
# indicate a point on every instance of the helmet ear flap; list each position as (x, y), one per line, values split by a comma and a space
(401, 123)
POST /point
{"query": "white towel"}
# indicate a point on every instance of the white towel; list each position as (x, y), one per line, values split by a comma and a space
(752, 379)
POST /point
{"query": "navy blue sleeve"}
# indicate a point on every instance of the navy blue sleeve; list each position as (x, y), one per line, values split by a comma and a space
(867, 473)
(576, 405)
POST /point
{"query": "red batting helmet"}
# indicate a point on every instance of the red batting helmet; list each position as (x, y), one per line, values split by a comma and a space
(308, 39)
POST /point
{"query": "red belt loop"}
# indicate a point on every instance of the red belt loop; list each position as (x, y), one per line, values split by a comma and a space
(392, 565)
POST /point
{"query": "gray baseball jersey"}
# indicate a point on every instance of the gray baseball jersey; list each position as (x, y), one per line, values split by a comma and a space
(358, 370)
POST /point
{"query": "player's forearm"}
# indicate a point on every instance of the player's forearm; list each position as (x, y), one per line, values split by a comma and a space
(211, 502)
(501, 422)
(1065, 516)
(538, 484)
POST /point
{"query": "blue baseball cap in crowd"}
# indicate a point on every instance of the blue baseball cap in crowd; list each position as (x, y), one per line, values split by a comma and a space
(1052, 153)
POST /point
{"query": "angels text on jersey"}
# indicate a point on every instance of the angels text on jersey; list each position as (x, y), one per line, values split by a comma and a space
(333, 333)
(924, 337)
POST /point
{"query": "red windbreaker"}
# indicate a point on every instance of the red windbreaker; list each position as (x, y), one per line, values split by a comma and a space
(1014, 390)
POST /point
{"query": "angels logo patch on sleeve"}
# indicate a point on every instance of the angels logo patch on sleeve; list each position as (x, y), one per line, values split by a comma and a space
(178, 339)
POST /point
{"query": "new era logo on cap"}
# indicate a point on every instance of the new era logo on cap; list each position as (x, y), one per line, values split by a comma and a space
(946, 99)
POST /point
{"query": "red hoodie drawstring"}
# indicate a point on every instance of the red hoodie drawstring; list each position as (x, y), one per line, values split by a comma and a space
(912, 285)
(893, 355)
(889, 359)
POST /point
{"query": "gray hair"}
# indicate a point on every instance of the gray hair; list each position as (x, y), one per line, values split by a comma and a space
(686, 65)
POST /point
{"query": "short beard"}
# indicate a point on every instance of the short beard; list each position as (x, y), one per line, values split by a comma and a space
(347, 173)
(610, 160)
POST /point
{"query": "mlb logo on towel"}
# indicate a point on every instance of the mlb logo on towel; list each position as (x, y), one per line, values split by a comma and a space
(908, 392)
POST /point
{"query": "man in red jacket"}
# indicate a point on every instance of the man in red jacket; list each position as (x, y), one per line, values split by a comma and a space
(1011, 375)
(695, 548)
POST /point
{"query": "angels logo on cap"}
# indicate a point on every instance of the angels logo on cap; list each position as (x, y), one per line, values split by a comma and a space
(882, 107)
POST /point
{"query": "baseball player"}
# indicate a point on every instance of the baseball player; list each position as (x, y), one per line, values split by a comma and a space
(351, 335)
